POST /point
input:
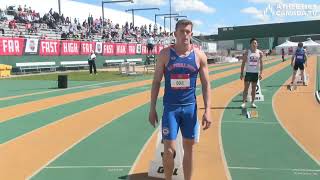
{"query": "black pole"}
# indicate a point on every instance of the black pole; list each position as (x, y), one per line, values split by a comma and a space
(164, 23)
(155, 19)
(170, 16)
(133, 18)
(59, 4)
(102, 15)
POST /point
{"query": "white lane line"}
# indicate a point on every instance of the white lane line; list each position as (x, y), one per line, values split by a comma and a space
(274, 169)
(253, 122)
(84, 167)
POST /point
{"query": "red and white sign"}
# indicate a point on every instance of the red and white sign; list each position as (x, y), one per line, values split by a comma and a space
(121, 49)
(131, 49)
(108, 49)
(31, 46)
(49, 48)
(70, 48)
(87, 47)
(99, 48)
(144, 49)
(11, 46)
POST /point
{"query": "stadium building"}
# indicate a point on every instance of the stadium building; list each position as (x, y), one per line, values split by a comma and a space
(268, 35)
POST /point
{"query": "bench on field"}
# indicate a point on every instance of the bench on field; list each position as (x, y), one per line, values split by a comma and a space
(38, 66)
(74, 64)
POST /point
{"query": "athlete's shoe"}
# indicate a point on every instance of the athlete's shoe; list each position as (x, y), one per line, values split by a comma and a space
(253, 105)
(243, 105)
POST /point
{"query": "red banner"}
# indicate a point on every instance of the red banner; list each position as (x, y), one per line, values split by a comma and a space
(144, 49)
(11, 46)
(160, 47)
(108, 49)
(131, 49)
(70, 48)
(121, 49)
(87, 47)
(49, 47)
(155, 49)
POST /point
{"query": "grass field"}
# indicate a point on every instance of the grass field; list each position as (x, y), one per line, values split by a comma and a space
(85, 76)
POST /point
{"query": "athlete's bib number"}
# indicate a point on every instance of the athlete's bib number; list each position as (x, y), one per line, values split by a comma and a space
(180, 81)
(300, 57)
(253, 61)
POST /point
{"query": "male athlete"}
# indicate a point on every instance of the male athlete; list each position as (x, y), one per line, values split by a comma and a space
(299, 61)
(252, 59)
(180, 65)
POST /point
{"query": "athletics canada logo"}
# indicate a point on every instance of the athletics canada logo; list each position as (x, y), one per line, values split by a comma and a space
(292, 9)
(165, 131)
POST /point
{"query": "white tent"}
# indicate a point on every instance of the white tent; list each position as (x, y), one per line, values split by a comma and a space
(288, 46)
(310, 43)
(312, 47)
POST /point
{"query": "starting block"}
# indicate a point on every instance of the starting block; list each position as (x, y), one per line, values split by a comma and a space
(292, 87)
(254, 114)
(259, 96)
(156, 166)
(299, 80)
(250, 114)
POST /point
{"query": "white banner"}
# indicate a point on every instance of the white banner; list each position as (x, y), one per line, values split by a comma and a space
(138, 49)
(98, 48)
(32, 46)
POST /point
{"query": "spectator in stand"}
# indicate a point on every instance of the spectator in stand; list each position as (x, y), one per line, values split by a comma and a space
(155, 29)
(12, 24)
(19, 8)
(25, 9)
(50, 12)
(21, 35)
(62, 19)
(44, 36)
(28, 27)
(67, 20)
(2, 31)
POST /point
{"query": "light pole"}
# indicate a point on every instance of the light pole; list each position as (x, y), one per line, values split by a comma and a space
(164, 19)
(104, 2)
(140, 9)
(59, 4)
(156, 15)
(170, 14)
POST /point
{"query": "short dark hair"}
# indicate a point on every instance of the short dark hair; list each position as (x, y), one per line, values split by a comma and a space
(252, 39)
(184, 22)
(300, 44)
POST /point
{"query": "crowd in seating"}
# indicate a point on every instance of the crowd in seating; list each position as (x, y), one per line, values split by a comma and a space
(28, 22)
